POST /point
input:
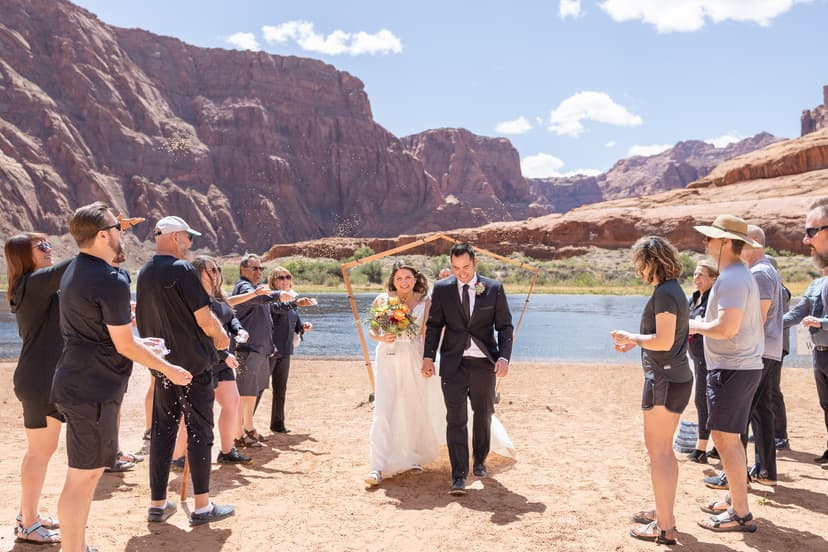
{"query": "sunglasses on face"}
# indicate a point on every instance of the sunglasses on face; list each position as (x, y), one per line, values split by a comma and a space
(116, 226)
(256, 268)
(283, 277)
(44, 246)
(813, 231)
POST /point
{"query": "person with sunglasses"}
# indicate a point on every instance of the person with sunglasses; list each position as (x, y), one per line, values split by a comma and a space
(254, 355)
(287, 328)
(171, 303)
(34, 281)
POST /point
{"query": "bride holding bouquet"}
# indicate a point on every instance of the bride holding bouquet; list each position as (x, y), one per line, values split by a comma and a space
(409, 415)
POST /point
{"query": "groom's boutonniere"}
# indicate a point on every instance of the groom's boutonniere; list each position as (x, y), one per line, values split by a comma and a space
(479, 288)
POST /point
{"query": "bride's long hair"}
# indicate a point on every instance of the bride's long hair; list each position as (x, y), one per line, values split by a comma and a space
(420, 285)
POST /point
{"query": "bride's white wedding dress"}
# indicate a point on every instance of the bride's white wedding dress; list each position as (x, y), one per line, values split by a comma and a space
(409, 422)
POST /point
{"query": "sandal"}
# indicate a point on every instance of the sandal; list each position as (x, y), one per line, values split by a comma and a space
(653, 533)
(148, 435)
(253, 434)
(717, 506)
(644, 517)
(250, 442)
(37, 534)
(46, 521)
(120, 467)
(716, 523)
(130, 457)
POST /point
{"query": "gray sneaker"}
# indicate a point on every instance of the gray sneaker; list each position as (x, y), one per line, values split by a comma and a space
(216, 513)
(158, 514)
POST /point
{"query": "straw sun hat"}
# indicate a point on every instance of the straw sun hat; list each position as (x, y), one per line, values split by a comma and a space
(730, 227)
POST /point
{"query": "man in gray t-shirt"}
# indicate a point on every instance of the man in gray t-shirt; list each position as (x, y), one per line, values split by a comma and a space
(733, 345)
(771, 300)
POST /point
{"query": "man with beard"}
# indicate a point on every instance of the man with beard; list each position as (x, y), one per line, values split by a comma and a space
(816, 238)
(171, 304)
(93, 370)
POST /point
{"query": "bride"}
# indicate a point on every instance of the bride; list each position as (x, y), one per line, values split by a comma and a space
(409, 414)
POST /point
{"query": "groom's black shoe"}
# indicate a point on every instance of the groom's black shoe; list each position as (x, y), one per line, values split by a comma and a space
(480, 470)
(458, 487)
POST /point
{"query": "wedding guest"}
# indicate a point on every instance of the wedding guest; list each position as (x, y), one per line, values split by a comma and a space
(402, 436)
(733, 344)
(172, 305)
(445, 272)
(287, 330)
(224, 378)
(780, 415)
(703, 278)
(668, 381)
(96, 362)
(33, 283)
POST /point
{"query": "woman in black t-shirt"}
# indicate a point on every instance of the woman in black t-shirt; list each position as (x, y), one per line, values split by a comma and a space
(703, 278)
(667, 378)
(34, 281)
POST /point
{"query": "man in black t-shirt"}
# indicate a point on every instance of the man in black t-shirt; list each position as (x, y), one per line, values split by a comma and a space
(171, 304)
(96, 362)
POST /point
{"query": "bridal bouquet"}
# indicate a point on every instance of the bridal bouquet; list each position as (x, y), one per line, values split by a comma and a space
(393, 317)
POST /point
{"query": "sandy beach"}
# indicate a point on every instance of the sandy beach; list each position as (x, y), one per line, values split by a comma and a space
(581, 471)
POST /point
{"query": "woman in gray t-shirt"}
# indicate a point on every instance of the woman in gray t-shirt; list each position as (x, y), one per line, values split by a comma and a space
(668, 380)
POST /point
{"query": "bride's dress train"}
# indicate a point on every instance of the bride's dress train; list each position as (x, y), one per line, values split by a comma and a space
(409, 421)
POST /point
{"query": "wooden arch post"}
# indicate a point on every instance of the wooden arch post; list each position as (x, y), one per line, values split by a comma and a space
(346, 267)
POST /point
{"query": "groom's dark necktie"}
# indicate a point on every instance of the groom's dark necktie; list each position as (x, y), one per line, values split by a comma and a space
(467, 310)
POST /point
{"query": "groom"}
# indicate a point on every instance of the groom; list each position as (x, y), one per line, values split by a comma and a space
(469, 308)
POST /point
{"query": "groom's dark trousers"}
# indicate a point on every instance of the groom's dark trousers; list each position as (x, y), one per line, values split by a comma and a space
(475, 379)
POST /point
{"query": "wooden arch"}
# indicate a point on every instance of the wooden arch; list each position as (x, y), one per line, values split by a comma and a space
(346, 267)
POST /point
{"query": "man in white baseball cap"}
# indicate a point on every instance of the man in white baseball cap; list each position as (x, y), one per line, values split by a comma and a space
(169, 225)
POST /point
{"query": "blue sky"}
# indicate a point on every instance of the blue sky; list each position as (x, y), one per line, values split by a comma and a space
(575, 85)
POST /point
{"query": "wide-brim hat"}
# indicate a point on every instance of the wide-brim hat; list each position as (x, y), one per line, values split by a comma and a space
(728, 226)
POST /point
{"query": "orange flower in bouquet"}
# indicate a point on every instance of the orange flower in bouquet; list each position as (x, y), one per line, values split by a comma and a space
(392, 317)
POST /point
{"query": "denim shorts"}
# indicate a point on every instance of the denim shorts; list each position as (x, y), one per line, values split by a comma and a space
(729, 396)
(659, 391)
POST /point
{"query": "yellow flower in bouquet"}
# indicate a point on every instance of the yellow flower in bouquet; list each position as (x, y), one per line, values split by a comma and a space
(392, 317)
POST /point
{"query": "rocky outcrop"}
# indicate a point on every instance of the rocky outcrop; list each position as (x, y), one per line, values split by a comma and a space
(643, 175)
(816, 118)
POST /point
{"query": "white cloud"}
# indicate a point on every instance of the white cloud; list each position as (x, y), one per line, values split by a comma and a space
(691, 15)
(544, 165)
(570, 8)
(647, 151)
(243, 41)
(337, 43)
(610, 144)
(591, 106)
(725, 139)
(516, 126)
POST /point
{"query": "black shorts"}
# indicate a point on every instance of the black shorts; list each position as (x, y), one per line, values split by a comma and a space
(659, 391)
(91, 434)
(222, 372)
(36, 411)
(729, 397)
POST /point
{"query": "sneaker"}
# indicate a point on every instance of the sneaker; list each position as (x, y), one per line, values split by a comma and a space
(177, 463)
(157, 514)
(216, 513)
(698, 456)
(763, 479)
(822, 459)
(781, 444)
(374, 478)
(714, 454)
(234, 457)
(717, 481)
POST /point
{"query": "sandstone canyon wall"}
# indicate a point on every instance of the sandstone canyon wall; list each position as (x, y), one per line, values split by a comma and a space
(816, 118)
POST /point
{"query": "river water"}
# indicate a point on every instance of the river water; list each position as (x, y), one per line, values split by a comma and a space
(555, 328)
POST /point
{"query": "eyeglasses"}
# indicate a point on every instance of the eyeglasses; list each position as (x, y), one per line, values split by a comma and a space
(256, 268)
(283, 277)
(43, 246)
(813, 231)
(116, 226)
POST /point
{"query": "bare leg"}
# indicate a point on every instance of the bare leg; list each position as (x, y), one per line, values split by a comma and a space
(42, 444)
(245, 418)
(73, 507)
(659, 426)
(227, 395)
(730, 449)
(148, 405)
(180, 440)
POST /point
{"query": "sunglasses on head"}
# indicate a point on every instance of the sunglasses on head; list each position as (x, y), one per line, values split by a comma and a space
(813, 231)
(44, 246)
(116, 226)
(284, 277)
